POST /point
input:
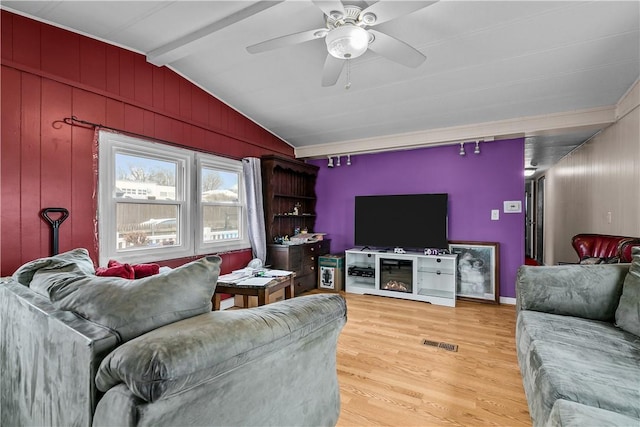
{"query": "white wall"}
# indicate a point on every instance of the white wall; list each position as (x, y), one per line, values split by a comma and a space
(601, 176)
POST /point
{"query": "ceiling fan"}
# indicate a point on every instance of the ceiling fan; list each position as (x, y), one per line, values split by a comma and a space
(347, 35)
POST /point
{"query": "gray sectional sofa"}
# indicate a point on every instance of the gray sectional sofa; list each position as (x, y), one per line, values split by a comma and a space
(578, 343)
(79, 350)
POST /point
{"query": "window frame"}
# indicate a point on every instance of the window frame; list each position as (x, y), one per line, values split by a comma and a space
(188, 195)
(220, 163)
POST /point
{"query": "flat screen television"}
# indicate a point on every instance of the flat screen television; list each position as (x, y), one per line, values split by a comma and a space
(408, 221)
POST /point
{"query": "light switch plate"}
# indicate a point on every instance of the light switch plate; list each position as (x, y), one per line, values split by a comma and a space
(495, 214)
(513, 206)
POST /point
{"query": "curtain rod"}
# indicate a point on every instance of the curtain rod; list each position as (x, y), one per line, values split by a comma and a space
(74, 121)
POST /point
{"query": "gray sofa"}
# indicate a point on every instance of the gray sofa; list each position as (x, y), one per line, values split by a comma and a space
(578, 343)
(79, 350)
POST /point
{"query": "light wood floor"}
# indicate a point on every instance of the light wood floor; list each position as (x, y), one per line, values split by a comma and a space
(388, 377)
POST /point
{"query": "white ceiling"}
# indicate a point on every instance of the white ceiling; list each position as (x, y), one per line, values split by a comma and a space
(552, 71)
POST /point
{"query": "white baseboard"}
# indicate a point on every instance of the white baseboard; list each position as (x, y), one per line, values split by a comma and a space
(507, 300)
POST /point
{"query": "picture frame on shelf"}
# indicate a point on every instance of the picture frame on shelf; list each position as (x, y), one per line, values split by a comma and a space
(478, 271)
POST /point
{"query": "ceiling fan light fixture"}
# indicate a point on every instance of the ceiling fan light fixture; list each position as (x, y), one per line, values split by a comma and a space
(347, 41)
(369, 18)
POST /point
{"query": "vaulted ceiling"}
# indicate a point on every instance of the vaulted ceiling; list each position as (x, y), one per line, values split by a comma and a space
(551, 71)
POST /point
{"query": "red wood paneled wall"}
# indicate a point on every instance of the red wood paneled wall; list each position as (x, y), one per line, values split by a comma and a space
(48, 74)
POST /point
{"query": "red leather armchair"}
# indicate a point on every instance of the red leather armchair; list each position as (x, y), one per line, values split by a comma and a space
(598, 248)
(625, 249)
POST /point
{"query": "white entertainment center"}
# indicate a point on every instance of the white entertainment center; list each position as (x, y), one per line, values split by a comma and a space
(410, 275)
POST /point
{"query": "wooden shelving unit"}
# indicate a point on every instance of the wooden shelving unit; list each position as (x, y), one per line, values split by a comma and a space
(287, 184)
(288, 188)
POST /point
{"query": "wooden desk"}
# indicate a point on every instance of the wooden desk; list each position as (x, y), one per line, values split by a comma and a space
(260, 291)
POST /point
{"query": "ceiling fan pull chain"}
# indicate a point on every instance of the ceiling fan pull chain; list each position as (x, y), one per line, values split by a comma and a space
(348, 85)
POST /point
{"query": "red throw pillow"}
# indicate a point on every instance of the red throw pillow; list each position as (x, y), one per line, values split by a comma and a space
(120, 270)
(139, 270)
(145, 270)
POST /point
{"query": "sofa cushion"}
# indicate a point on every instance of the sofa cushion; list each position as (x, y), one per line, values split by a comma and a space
(536, 326)
(186, 354)
(628, 311)
(132, 307)
(571, 414)
(587, 291)
(580, 360)
(73, 261)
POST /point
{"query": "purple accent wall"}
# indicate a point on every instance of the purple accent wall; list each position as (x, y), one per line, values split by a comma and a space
(476, 184)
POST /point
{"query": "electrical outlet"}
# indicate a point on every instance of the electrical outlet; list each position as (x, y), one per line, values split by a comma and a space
(609, 217)
(495, 214)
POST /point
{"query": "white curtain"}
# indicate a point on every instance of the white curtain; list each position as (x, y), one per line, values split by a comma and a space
(253, 189)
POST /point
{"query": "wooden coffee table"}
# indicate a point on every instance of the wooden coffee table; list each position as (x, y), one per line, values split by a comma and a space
(262, 291)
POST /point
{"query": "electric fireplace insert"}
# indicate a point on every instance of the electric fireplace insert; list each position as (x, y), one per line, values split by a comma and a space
(396, 275)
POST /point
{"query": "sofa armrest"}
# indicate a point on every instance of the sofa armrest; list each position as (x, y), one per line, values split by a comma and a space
(587, 291)
(188, 353)
(48, 360)
(626, 248)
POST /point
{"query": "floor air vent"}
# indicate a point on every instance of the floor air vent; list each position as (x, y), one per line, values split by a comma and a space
(442, 345)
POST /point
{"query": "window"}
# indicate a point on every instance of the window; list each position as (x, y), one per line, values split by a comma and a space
(160, 202)
(221, 203)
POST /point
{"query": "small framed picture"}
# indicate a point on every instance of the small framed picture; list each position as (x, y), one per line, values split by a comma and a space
(478, 271)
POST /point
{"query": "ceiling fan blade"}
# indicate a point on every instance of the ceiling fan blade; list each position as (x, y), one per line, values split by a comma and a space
(395, 50)
(287, 40)
(328, 6)
(332, 69)
(388, 10)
